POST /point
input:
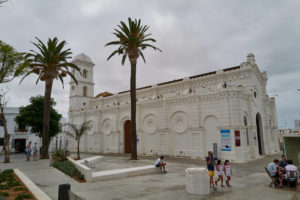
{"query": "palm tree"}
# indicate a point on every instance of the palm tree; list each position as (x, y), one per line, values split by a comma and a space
(132, 39)
(49, 63)
(76, 132)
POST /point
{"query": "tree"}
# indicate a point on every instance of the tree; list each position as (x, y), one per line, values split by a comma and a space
(77, 132)
(3, 1)
(49, 63)
(3, 102)
(132, 39)
(11, 65)
(32, 116)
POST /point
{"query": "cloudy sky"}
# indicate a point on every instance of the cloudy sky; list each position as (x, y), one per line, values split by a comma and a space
(195, 36)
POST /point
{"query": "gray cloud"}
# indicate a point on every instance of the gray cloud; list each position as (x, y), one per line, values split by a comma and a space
(195, 36)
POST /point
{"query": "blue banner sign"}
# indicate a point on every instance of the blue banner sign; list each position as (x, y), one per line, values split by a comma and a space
(225, 140)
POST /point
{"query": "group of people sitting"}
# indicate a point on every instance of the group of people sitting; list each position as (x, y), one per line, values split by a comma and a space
(282, 170)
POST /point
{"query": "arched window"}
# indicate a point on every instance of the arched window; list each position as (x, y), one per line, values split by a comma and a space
(246, 126)
(84, 91)
(84, 73)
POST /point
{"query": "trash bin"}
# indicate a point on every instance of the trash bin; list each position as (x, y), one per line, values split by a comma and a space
(197, 181)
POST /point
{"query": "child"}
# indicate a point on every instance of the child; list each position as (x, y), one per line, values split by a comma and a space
(228, 172)
(35, 152)
(220, 173)
(159, 163)
(28, 151)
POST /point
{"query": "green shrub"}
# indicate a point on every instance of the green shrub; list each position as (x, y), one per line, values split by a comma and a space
(4, 187)
(23, 196)
(68, 168)
(59, 155)
(4, 194)
(19, 189)
(14, 183)
(8, 171)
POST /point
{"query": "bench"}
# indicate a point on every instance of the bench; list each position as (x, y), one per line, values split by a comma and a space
(125, 172)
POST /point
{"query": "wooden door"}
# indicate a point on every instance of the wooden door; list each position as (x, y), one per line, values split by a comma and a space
(258, 129)
(127, 138)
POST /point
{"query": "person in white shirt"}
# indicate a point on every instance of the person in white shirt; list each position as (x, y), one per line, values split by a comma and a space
(289, 168)
(159, 163)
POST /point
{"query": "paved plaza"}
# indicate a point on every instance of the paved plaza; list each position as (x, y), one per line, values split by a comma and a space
(249, 180)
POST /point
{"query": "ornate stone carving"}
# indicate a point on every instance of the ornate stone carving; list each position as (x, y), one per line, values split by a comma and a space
(179, 122)
(92, 129)
(150, 124)
(107, 127)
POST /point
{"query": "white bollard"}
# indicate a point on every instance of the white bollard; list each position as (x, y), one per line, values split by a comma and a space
(197, 181)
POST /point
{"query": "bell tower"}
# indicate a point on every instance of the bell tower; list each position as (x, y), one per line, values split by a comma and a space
(81, 94)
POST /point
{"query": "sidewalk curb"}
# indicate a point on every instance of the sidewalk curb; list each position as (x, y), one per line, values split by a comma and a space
(35, 190)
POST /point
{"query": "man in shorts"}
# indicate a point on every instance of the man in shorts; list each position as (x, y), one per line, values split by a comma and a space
(273, 171)
(159, 163)
(210, 161)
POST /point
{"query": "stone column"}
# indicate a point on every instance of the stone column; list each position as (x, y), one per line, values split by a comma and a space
(197, 180)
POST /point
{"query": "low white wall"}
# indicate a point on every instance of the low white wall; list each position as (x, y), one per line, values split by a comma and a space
(121, 173)
(86, 171)
(35, 191)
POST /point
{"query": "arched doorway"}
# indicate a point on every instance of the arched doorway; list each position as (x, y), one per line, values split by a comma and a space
(259, 131)
(211, 133)
(127, 138)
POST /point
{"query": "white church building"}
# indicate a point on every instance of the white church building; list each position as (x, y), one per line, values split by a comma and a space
(226, 111)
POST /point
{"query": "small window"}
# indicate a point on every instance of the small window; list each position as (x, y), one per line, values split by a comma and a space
(1, 141)
(247, 132)
(1, 122)
(84, 91)
(84, 73)
(254, 94)
(73, 87)
(245, 121)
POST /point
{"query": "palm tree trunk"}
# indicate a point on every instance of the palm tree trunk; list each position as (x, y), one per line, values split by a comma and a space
(6, 138)
(78, 154)
(133, 109)
(46, 118)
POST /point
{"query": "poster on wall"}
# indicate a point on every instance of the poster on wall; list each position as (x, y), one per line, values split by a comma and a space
(225, 140)
(237, 138)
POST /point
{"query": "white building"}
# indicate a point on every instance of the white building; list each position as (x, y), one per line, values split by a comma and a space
(60, 141)
(227, 111)
(19, 138)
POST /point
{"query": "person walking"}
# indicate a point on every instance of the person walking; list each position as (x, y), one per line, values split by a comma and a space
(35, 152)
(210, 161)
(28, 151)
(228, 172)
(220, 173)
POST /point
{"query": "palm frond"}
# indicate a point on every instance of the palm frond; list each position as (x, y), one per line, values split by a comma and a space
(131, 36)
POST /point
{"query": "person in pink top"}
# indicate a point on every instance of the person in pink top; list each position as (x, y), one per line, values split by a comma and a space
(228, 172)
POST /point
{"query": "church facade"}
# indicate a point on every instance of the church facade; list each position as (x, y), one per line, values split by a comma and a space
(226, 111)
